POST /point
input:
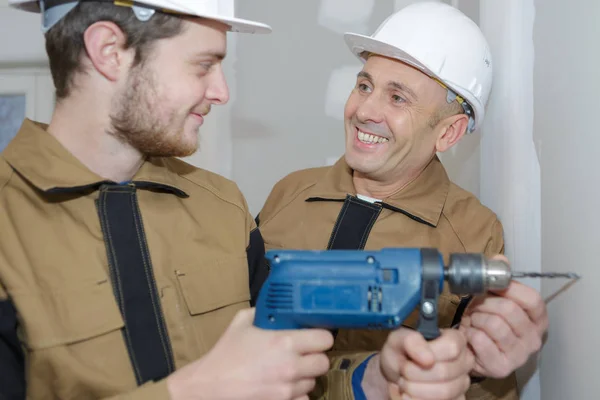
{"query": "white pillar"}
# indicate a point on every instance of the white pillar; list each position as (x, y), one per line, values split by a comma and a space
(510, 169)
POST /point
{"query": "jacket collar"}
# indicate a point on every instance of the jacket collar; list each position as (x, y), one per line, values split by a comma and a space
(422, 199)
(39, 158)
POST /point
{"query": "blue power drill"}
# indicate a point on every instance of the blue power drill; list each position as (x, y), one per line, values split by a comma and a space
(361, 289)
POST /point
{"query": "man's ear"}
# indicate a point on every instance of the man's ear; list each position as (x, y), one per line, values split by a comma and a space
(105, 46)
(452, 129)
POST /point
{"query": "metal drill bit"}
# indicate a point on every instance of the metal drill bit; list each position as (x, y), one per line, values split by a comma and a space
(568, 275)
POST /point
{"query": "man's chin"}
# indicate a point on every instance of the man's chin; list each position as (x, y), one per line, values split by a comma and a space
(171, 151)
(360, 164)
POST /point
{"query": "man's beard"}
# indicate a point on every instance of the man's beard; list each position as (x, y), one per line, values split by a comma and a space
(135, 119)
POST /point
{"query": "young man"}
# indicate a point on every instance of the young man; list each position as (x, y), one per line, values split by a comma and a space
(425, 82)
(124, 272)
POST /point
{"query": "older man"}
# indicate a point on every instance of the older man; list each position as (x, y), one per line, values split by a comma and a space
(425, 82)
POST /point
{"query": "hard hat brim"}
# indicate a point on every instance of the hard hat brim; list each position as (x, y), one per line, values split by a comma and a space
(359, 44)
(240, 25)
(236, 24)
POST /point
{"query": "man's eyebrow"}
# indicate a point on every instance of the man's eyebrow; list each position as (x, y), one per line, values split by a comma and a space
(396, 85)
(403, 88)
(219, 55)
(363, 74)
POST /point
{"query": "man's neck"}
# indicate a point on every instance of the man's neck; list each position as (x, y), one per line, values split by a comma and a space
(384, 188)
(83, 133)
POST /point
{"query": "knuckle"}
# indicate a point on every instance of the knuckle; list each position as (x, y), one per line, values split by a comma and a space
(288, 372)
(496, 323)
(285, 392)
(403, 369)
(502, 331)
(325, 363)
(536, 344)
(446, 391)
(538, 302)
(454, 349)
(284, 342)
(504, 369)
(510, 307)
(470, 361)
(445, 373)
(478, 339)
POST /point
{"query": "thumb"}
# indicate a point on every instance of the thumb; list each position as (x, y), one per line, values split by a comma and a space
(243, 319)
(413, 346)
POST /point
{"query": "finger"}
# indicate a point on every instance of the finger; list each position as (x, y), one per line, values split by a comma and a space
(527, 298)
(449, 345)
(394, 392)
(412, 345)
(441, 372)
(302, 398)
(311, 366)
(497, 329)
(302, 388)
(243, 318)
(488, 357)
(449, 390)
(306, 341)
(501, 257)
(511, 312)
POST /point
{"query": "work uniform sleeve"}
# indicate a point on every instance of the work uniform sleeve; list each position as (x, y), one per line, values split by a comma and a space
(495, 244)
(12, 359)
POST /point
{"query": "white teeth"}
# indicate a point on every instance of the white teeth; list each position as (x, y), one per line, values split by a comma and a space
(370, 139)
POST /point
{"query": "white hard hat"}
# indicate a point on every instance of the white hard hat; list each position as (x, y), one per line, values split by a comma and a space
(54, 10)
(443, 43)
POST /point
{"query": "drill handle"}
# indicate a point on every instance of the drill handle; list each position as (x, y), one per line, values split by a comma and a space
(428, 308)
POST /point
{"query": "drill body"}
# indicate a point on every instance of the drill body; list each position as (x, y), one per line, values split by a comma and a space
(359, 289)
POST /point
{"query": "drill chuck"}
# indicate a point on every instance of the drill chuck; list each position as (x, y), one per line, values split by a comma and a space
(474, 274)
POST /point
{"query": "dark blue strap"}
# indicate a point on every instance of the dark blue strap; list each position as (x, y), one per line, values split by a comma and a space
(132, 276)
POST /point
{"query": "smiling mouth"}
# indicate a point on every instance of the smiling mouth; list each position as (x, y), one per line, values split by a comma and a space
(369, 138)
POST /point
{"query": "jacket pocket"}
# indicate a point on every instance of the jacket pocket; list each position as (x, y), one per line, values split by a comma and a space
(68, 315)
(214, 285)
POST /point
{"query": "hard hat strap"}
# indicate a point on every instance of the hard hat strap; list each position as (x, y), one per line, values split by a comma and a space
(51, 14)
(451, 96)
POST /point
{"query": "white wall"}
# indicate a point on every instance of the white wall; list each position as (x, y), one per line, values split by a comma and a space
(567, 88)
(292, 87)
(21, 40)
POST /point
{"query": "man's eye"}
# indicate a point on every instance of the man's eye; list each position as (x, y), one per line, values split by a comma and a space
(363, 87)
(397, 99)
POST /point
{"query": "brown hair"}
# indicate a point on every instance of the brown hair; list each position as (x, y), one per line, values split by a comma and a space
(65, 44)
